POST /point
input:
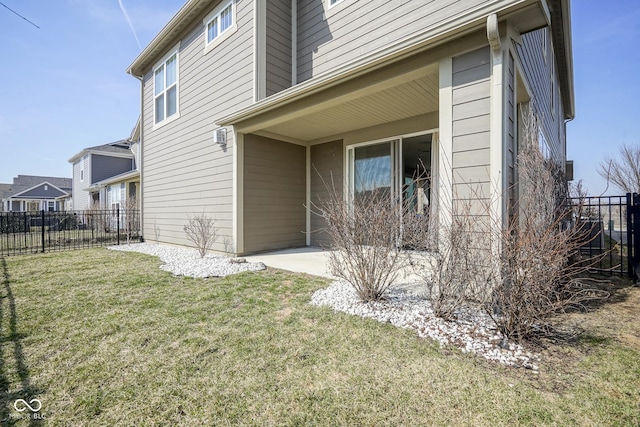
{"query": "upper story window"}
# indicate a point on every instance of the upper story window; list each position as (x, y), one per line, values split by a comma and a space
(219, 24)
(334, 2)
(165, 88)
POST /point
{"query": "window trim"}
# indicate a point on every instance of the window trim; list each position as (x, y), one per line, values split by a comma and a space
(174, 51)
(222, 36)
(331, 5)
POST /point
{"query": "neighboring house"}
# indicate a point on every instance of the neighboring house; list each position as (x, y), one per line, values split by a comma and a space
(30, 193)
(5, 191)
(105, 176)
(249, 104)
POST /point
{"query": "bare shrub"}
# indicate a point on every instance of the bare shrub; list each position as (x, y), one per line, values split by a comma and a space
(156, 230)
(365, 237)
(624, 171)
(454, 268)
(98, 218)
(201, 231)
(539, 262)
(131, 218)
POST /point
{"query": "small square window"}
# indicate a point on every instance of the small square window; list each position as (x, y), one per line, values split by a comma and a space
(220, 22)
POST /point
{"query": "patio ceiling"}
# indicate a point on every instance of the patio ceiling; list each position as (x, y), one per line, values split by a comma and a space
(363, 103)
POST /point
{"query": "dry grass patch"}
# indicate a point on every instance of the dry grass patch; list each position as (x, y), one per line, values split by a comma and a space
(106, 338)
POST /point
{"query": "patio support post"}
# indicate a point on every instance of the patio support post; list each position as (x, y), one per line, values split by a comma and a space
(444, 152)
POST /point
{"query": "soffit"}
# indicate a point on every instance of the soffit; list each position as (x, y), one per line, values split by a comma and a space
(377, 105)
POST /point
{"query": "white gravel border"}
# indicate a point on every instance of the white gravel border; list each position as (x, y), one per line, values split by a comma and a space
(471, 332)
(183, 261)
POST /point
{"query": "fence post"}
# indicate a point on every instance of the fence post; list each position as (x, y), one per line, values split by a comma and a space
(118, 223)
(42, 227)
(636, 236)
(630, 235)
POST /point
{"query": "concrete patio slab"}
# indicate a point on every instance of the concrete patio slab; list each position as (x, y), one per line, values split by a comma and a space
(314, 261)
(310, 260)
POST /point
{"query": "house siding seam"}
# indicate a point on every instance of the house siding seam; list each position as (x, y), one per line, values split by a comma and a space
(185, 172)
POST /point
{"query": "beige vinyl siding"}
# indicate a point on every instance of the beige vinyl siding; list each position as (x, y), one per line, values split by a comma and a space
(327, 164)
(274, 194)
(354, 28)
(538, 72)
(185, 172)
(278, 46)
(471, 114)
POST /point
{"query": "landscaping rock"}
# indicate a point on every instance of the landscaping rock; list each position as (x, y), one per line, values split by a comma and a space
(471, 332)
(187, 261)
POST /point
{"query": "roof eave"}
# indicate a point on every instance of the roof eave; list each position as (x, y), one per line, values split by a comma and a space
(166, 37)
(564, 57)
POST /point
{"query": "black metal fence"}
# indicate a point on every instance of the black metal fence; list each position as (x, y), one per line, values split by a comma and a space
(33, 232)
(613, 232)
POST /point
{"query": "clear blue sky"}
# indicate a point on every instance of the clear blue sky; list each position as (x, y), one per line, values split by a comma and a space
(63, 87)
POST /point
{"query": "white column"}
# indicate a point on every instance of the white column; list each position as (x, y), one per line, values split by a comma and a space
(444, 151)
(238, 193)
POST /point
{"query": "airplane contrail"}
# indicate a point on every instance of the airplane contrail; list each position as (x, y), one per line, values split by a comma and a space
(133, 30)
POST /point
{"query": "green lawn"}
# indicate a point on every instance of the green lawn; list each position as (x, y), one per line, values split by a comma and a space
(105, 338)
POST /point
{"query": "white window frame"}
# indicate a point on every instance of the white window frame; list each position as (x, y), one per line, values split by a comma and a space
(162, 63)
(221, 35)
(545, 148)
(332, 3)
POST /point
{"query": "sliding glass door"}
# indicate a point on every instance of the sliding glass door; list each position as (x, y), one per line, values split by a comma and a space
(400, 168)
(371, 170)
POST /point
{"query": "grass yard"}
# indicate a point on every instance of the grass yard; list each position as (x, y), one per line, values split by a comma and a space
(105, 338)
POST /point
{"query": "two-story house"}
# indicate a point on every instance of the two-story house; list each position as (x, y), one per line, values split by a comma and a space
(106, 176)
(247, 105)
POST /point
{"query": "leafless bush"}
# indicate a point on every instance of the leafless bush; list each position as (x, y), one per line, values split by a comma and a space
(131, 218)
(365, 239)
(623, 172)
(98, 218)
(454, 267)
(539, 263)
(156, 230)
(201, 231)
